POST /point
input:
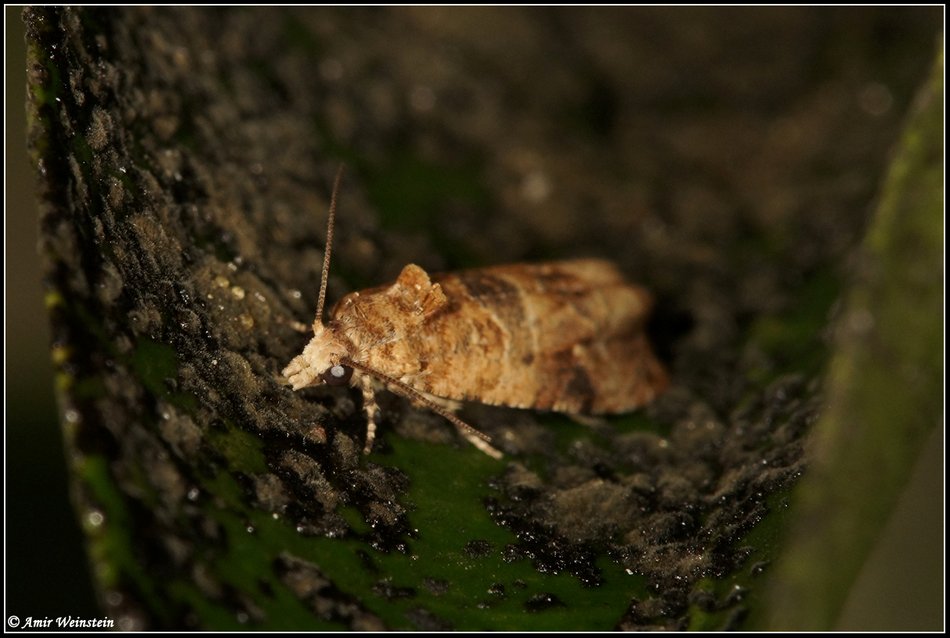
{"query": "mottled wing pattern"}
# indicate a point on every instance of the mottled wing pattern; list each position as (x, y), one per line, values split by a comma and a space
(564, 336)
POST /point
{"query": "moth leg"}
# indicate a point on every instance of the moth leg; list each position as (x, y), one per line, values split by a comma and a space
(299, 327)
(589, 420)
(476, 438)
(295, 325)
(473, 436)
(372, 411)
(596, 423)
(447, 409)
(449, 405)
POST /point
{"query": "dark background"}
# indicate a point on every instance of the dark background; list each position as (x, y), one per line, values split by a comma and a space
(46, 569)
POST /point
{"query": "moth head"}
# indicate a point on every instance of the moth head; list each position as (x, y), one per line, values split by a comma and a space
(321, 361)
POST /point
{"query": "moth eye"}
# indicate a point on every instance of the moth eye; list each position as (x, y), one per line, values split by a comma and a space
(337, 375)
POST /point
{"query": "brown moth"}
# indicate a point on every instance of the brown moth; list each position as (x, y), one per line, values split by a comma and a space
(567, 336)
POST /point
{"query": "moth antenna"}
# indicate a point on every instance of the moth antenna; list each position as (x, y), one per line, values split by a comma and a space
(328, 248)
(479, 439)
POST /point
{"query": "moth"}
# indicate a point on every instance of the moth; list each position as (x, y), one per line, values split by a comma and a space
(565, 336)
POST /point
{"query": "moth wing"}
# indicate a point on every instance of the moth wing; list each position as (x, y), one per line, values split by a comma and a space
(565, 336)
(603, 376)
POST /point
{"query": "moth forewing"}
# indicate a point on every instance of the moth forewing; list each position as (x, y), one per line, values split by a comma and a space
(566, 336)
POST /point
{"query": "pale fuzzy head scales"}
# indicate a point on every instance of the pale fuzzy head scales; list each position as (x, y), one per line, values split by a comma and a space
(324, 351)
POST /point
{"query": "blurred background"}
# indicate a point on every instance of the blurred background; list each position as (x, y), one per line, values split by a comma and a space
(46, 568)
